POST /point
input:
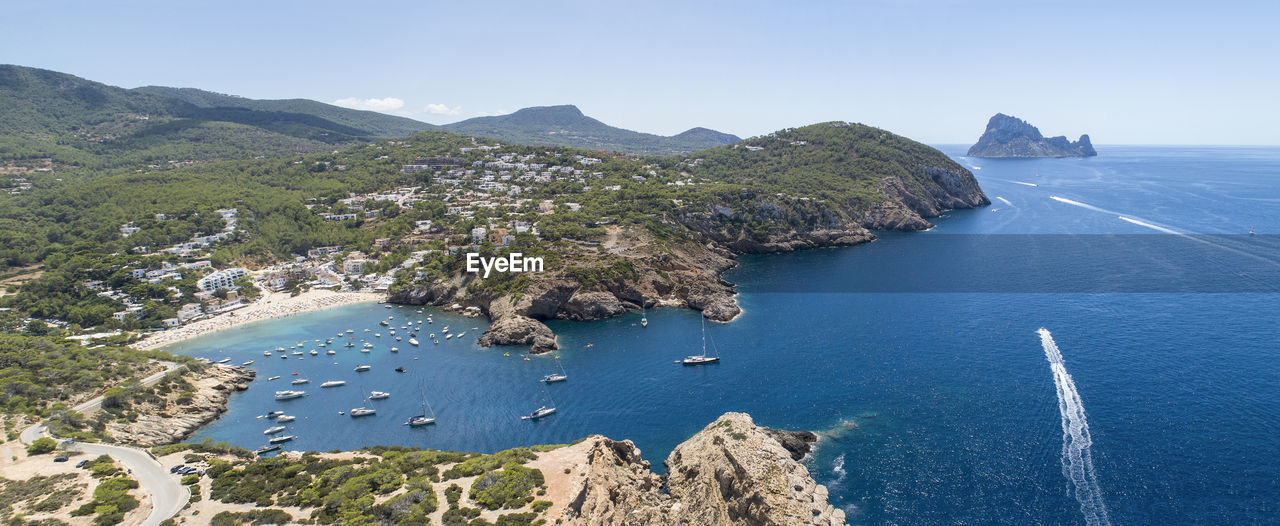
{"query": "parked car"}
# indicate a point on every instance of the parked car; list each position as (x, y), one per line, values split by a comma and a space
(82, 463)
(176, 468)
(61, 458)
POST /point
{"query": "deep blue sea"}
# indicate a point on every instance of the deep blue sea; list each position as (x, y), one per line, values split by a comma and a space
(916, 356)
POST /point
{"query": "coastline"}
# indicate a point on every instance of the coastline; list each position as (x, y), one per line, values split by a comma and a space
(269, 306)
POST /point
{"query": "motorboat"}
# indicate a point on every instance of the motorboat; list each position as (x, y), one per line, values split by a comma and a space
(290, 395)
(334, 383)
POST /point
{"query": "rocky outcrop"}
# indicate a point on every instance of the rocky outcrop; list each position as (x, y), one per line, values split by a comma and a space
(731, 472)
(798, 443)
(509, 327)
(1008, 136)
(584, 306)
(174, 416)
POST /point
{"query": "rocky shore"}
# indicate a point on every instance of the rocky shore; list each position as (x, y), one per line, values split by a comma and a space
(636, 270)
(175, 415)
(731, 472)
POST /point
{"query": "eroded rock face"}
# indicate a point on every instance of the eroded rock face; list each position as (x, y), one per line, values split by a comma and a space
(731, 472)
(174, 420)
(592, 306)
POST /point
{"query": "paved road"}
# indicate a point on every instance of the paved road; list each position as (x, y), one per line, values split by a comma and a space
(168, 496)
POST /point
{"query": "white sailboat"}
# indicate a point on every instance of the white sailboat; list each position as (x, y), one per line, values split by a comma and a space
(422, 419)
(543, 410)
(703, 358)
(378, 395)
(554, 377)
(364, 410)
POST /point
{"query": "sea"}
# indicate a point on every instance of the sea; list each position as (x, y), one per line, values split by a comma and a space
(1098, 346)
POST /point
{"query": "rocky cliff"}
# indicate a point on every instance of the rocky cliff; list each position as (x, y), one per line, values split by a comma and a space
(170, 415)
(731, 472)
(1008, 136)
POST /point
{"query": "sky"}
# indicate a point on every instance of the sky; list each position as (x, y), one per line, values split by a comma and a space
(1124, 72)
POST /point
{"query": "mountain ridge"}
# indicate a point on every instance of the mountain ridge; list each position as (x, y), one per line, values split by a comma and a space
(566, 125)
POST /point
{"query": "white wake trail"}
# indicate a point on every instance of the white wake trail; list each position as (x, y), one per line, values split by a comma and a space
(1077, 457)
(1005, 201)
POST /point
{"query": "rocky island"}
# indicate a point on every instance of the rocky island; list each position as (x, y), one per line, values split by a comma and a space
(1010, 137)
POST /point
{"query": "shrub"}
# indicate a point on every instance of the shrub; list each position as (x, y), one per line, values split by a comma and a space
(191, 478)
(41, 446)
(508, 488)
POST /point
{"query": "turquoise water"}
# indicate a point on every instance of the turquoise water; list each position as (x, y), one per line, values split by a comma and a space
(931, 386)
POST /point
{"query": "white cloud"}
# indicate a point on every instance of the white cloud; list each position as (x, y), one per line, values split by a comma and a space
(441, 109)
(382, 105)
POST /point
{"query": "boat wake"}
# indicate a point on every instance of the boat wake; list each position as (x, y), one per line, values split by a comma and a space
(1024, 183)
(1077, 456)
(1003, 200)
(837, 469)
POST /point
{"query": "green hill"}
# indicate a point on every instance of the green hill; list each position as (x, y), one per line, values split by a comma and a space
(567, 126)
(80, 122)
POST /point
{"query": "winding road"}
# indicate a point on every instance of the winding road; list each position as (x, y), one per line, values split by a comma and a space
(168, 496)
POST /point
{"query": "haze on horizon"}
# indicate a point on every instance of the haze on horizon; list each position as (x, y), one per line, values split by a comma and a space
(1145, 73)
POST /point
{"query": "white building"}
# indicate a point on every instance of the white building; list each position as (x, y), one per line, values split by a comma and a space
(222, 279)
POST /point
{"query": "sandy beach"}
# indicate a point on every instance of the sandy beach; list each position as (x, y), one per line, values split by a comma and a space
(270, 305)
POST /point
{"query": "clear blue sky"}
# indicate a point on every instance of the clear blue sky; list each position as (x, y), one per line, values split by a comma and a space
(1139, 73)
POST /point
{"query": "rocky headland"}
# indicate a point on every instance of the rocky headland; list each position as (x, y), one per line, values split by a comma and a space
(175, 409)
(731, 472)
(1008, 136)
(679, 261)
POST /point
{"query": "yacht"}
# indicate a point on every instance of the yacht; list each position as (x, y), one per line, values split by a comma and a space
(300, 381)
(461, 334)
(349, 344)
(246, 364)
(539, 413)
(383, 323)
(266, 353)
(363, 411)
(224, 360)
(286, 418)
(279, 349)
(273, 414)
(286, 438)
(314, 352)
(331, 352)
(277, 377)
(422, 419)
(400, 369)
(290, 395)
(448, 336)
(334, 383)
(266, 449)
(273, 430)
(363, 368)
(701, 359)
(378, 395)
(413, 342)
(296, 353)
(556, 377)
(395, 349)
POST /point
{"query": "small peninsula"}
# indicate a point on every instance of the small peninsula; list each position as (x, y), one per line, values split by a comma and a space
(1010, 137)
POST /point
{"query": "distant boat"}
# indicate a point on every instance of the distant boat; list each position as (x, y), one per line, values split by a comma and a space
(286, 418)
(413, 342)
(273, 414)
(266, 449)
(349, 344)
(363, 410)
(448, 336)
(701, 359)
(644, 319)
(542, 410)
(553, 377)
(289, 395)
(296, 353)
(331, 351)
(422, 419)
(273, 430)
(378, 395)
(300, 381)
(224, 360)
(395, 349)
(314, 352)
(266, 353)
(246, 364)
(383, 323)
(277, 377)
(286, 438)
(461, 334)
(1252, 233)
(334, 383)
(363, 368)
(400, 369)
(279, 349)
